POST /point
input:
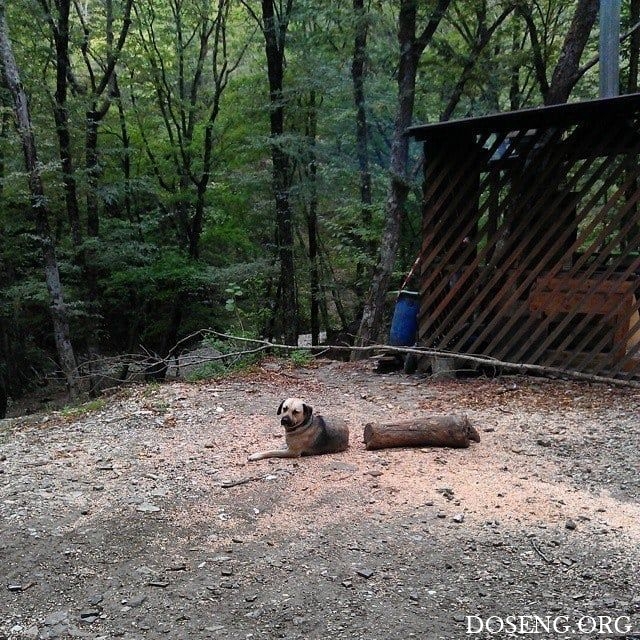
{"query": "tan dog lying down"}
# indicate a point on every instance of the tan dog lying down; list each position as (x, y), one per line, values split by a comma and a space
(306, 434)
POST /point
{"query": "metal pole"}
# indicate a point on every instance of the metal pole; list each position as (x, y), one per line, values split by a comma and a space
(609, 48)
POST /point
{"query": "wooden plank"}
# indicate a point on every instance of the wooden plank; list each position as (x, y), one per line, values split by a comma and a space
(575, 295)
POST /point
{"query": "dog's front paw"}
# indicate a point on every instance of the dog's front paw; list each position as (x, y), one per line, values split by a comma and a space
(254, 456)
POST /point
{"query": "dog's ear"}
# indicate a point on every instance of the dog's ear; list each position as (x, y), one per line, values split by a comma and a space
(307, 410)
(280, 408)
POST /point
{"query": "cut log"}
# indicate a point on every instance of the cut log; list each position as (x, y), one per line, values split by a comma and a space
(426, 431)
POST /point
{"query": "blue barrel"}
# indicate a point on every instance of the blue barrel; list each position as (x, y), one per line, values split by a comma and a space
(404, 323)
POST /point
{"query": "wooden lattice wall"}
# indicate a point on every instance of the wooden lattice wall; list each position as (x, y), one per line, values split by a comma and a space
(531, 237)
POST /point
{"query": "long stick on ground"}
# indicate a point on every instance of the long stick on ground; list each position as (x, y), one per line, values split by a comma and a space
(373, 349)
(267, 346)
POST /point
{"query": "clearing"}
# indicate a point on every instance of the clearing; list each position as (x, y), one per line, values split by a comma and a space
(142, 519)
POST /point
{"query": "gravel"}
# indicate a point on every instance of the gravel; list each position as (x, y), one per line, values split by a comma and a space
(143, 518)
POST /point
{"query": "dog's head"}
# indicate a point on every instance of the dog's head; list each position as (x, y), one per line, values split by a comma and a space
(294, 412)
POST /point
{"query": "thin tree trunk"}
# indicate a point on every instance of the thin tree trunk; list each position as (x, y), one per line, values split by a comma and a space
(411, 49)
(60, 33)
(358, 73)
(39, 207)
(274, 34)
(515, 97)
(634, 47)
(311, 171)
(482, 38)
(126, 158)
(5, 365)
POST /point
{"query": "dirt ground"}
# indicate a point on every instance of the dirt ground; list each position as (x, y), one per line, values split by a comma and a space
(140, 518)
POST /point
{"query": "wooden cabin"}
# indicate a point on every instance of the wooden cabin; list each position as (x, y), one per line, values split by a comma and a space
(531, 237)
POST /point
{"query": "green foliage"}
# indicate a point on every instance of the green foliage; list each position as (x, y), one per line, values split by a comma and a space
(301, 358)
(234, 355)
(81, 410)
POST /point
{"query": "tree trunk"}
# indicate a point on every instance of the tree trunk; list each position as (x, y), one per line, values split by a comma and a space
(311, 171)
(39, 207)
(411, 49)
(126, 153)
(60, 33)
(3, 398)
(274, 35)
(358, 72)
(567, 70)
(429, 431)
(634, 47)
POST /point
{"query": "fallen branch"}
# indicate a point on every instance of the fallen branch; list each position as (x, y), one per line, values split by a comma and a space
(228, 484)
(539, 552)
(521, 367)
(262, 346)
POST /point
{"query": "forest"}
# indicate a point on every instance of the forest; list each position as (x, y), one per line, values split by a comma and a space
(170, 166)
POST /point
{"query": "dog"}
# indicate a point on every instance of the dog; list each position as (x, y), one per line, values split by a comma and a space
(306, 434)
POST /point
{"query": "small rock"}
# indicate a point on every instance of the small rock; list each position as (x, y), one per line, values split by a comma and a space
(147, 507)
(254, 614)
(158, 583)
(137, 601)
(458, 518)
(55, 618)
(365, 573)
(342, 466)
(447, 492)
(90, 615)
(570, 524)
(229, 585)
(95, 599)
